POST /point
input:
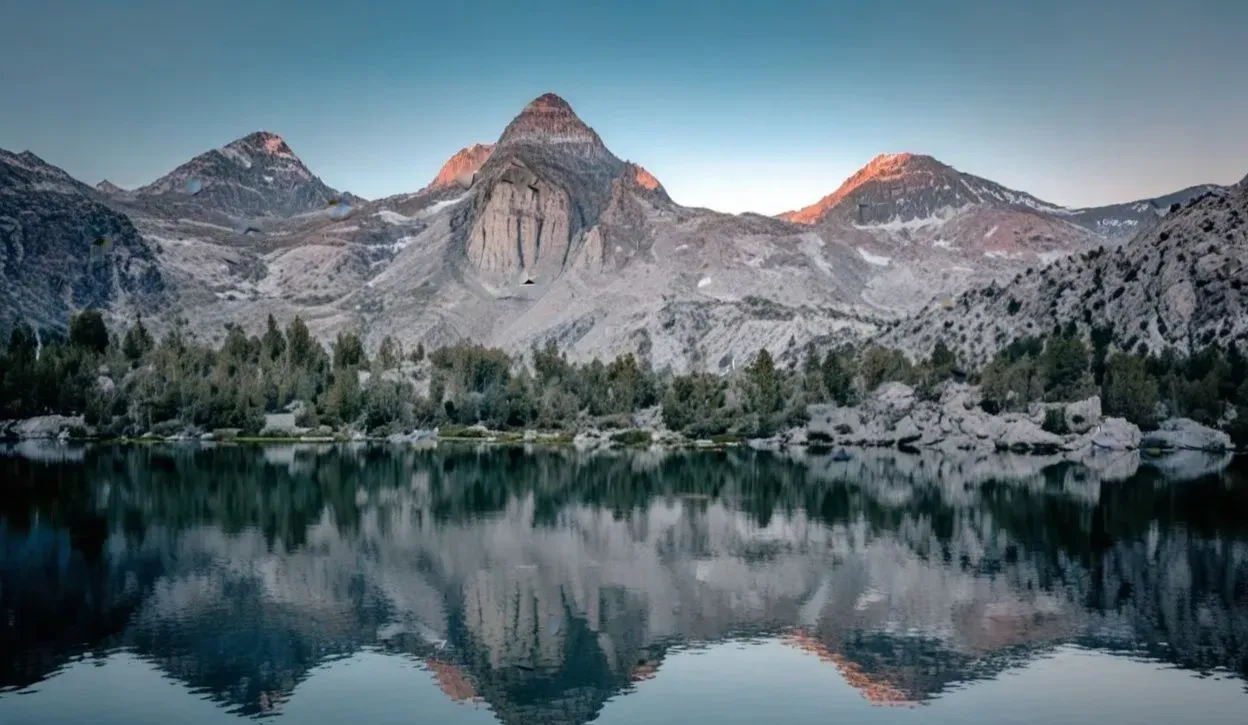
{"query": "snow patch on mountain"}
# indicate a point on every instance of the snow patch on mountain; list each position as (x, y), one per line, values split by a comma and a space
(876, 259)
(393, 217)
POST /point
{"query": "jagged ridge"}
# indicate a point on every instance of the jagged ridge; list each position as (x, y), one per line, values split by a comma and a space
(1179, 285)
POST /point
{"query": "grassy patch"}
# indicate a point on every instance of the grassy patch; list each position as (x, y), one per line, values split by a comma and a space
(631, 437)
(461, 431)
(727, 439)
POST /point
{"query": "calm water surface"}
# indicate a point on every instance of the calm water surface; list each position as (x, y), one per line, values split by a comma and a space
(367, 584)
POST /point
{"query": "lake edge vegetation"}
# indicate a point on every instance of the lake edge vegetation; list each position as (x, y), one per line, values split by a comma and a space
(125, 383)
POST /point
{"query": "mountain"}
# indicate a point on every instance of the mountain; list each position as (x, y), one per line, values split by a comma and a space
(1120, 222)
(256, 176)
(936, 231)
(1179, 284)
(65, 250)
(108, 188)
(557, 238)
(545, 235)
(902, 188)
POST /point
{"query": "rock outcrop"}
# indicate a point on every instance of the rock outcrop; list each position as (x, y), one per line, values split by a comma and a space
(524, 231)
(43, 427)
(1186, 434)
(893, 416)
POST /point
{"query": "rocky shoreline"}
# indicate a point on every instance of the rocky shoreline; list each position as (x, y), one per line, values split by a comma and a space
(894, 416)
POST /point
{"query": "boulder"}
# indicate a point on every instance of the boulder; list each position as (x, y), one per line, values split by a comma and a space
(828, 422)
(1080, 417)
(1116, 434)
(1186, 434)
(591, 439)
(411, 437)
(276, 424)
(906, 431)
(1024, 435)
(47, 427)
(1084, 415)
(890, 402)
(978, 424)
(959, 397)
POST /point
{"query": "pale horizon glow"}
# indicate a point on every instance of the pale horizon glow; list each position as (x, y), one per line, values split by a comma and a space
(731, 105)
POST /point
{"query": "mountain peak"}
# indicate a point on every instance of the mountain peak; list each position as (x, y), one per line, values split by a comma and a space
(881, 168)
(460, 168)
(547, 120)
(904, 187)
(257, 175)
(109, 188)
(262, 142)
(32, 164)
(549, 101)
(890, 164)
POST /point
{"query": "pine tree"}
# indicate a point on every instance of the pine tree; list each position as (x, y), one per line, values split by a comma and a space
(1129, 390)
(137, 342)
(88, 332)
(273, 344)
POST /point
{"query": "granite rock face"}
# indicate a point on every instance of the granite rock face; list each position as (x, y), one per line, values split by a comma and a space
(1178, 285)
(524, 231)
(65, 250)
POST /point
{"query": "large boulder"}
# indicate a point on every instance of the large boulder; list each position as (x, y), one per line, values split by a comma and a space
(906, 431)
(1084, 415)
(1186, 434)
(978, 424)
(960, 396)
(1023, 435)
(890, 402)
(829, 422)
(45, 427)
(1116, 434)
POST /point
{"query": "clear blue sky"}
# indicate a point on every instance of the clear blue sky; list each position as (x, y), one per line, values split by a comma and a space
(759, 106)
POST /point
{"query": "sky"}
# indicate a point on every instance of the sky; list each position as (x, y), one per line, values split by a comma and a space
(736, 106)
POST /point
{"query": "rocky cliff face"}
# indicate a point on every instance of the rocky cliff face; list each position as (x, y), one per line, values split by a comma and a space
(542, 189)
(524, 230)
(1176, 285)
(65, 250)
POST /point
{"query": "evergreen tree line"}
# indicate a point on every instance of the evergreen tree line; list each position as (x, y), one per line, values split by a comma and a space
(130, 384)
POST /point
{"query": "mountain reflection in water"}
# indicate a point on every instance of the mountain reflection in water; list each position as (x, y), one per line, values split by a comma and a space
(541, 584)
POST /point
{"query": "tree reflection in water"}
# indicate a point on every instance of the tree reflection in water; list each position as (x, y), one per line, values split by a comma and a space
(544, 582)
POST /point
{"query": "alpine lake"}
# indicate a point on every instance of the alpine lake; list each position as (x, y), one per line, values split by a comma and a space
(468, 583)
